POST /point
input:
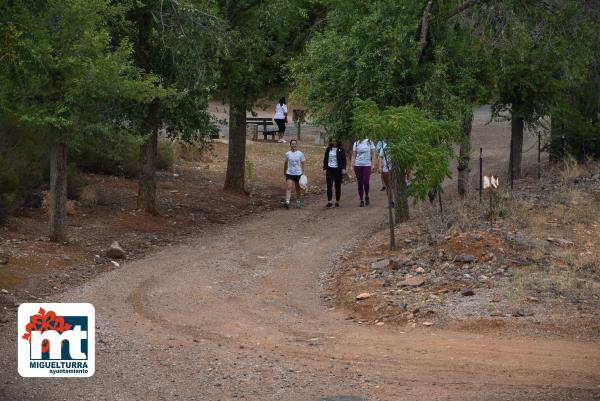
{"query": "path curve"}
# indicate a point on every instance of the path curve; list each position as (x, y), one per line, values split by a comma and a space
(236, 314)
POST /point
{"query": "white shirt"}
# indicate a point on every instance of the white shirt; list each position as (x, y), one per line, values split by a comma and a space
(294, 162)
(280, 111)
(363, 152)
(332, 161)
(384, 165)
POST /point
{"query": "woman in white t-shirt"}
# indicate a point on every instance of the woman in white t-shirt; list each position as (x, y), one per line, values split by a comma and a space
(363, 160)
(293, 168)
(280, 117)
(384, 159)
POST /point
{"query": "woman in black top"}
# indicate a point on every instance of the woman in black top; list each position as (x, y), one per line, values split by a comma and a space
(334, 166)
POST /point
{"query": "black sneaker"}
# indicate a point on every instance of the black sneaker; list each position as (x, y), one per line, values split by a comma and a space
(328, 205)
(337, 204)
(286, 205)
(382, 188)
(361, 204)
(367, 201)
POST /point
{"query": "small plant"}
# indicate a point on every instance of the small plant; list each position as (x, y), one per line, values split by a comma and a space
(249, 171)
(164, 154)
(88, 196)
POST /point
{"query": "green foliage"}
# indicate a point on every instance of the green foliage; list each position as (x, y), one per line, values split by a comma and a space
(119, 155)
(26, 151)
(576, 119)
(164, 154)
(539, 52)
(371, 50)
(416, 141)
(66, 76)
(179, 42)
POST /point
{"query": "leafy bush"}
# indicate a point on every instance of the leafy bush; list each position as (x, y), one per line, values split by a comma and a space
(9, 188)
(75, 181)
(164, 155)
(26, 151)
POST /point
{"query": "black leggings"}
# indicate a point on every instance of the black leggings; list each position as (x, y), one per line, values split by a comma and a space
(334, 175)
(280, 124)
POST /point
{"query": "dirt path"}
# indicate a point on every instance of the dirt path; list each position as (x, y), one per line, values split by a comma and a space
(236, 314)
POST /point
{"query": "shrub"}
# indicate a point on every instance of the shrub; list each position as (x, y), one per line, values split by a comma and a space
(75, 181)
(27, 153)
(164, 154)
(9, 188)
(88, 196)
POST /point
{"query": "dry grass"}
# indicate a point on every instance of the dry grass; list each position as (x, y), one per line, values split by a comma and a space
(89, 196)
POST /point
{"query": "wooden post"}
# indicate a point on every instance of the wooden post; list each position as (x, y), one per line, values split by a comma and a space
(491, 210)
(299, 124)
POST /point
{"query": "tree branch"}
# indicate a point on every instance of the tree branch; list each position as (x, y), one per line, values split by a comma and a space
(424, 29)
(466, 5)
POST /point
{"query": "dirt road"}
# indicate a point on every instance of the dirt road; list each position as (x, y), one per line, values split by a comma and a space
(236, 314)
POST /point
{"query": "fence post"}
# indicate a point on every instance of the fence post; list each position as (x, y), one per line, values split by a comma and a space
(480, 174)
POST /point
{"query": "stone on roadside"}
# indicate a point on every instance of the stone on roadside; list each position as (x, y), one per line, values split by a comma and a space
(115, 251)
(115, 264)
(362, 296)
(99, 259)
(427, 323)
(380, 264)
(467, 292)
(464, 258)
(4, 291)
(420, 270)
(4, 259)
(414, 281)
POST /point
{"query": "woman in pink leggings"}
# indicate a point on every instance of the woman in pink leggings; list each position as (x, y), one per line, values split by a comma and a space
(363, 160)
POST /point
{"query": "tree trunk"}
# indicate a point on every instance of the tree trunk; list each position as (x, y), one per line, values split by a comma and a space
(464, 157)
(147, 183)
(402, 210)
(58, 192)
(516, 149)
(236, 159)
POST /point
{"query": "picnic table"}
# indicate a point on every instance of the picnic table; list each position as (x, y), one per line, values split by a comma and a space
(265, 122)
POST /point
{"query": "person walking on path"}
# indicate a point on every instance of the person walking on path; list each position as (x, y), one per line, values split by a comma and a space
(384, 167)
(280, 117)
(363, 158)
(378, 146)
(293, 168)
(334, 166)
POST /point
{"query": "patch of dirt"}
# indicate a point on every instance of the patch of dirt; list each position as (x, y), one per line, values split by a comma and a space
(190, 199)
(523, 274)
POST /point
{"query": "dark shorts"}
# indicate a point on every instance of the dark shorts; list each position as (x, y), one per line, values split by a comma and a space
(280, 124)
(295, 178)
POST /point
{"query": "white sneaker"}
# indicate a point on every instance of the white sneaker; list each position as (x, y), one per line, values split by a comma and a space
(281, 141)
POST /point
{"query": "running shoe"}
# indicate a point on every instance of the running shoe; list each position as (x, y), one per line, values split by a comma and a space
(362, 204)
(286, 205)
(328, 205)
(367, 201)
(298, 205)
(337, 204)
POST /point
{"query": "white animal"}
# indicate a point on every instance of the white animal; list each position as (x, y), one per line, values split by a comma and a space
(490, 182)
